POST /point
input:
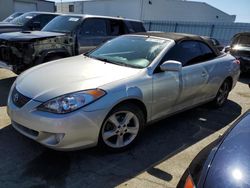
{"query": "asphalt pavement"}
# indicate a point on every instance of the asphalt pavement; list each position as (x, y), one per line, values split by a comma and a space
(158, 160)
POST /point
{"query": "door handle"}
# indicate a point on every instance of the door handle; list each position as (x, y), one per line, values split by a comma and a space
(203, 74)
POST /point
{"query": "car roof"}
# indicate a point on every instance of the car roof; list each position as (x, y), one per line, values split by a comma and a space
(40, 12)
(98, 16)
(174, 36)
(178, 37)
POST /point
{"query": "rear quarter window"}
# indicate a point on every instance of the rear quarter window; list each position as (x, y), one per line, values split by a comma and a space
(135, 27)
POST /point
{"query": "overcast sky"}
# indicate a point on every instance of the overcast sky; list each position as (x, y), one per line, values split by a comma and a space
(240, 8)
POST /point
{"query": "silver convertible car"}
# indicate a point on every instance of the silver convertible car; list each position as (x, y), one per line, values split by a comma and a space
(107, 96)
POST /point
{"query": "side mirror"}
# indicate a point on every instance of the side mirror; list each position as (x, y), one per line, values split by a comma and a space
(36, 26)
(171, 65)
(227, 49)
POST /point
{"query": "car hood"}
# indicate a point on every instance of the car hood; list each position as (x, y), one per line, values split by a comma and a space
(68, 75)
(28, 35)
(230, 166)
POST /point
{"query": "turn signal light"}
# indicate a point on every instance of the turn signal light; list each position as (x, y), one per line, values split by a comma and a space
(189, 182)
(237, 61)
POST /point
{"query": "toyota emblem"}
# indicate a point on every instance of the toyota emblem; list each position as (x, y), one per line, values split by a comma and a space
(16, 97)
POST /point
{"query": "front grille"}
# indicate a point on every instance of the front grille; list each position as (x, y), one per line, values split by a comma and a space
(26, 130)
(19, 99)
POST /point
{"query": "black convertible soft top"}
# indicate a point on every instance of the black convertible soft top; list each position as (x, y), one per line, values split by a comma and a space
(179, 37)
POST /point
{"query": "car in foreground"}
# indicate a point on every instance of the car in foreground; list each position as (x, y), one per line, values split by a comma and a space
(12, 17)
(64, 36)
(27, 22)
(108, 95)
(225, 162)
(240, 48)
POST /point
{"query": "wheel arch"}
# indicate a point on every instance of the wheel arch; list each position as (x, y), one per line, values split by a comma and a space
(230, 79)
(133, 101)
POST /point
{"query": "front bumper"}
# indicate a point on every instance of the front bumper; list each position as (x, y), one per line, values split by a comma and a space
(76, 130)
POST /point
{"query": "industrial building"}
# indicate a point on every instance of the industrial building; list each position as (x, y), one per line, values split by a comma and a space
(8, 7)
(165, 10)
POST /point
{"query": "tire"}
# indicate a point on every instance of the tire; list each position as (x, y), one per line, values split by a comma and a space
(121, 128)
(222, 94)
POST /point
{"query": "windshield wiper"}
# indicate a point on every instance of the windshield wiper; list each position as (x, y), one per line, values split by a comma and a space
(102, 59)
(113, 62)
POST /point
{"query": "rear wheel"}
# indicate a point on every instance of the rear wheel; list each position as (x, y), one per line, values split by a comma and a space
(222, 94)
(121, 127)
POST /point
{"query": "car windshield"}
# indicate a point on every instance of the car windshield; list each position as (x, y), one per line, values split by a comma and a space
(243, 40)
(12, 16)
(63, 24)
(23, 19)
(131, 51)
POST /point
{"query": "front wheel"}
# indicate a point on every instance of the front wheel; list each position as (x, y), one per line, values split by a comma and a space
(121, 127)
(222, 94)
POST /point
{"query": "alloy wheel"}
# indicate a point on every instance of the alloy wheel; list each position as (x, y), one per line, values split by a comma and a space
(120, 129)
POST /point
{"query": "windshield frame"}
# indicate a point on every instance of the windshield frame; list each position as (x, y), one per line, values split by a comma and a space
(24, 19)
(166, 44)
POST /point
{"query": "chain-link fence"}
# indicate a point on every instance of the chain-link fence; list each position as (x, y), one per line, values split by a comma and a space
(221, 31)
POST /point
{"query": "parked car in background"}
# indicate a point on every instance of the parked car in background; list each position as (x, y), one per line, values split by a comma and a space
(240, 48)
(215, 43)
(65, 36)
(225, 162)
(12, 17)
(27, 21)
(108, 95)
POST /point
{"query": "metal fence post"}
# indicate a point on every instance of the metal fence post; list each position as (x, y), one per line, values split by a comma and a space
(149, 27)
(175, 27)
(212, 30)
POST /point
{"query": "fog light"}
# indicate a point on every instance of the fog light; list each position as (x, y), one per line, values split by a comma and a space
(59, 137)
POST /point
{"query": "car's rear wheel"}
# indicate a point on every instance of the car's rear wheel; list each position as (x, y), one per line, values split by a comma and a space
(222, 94)
(121, 127)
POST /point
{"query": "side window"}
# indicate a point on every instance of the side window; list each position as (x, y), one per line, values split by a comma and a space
(207, 53)
(116, 27)
(137, 26)
(94, 27)
(42, 19)
(71, 8)
(186, 52)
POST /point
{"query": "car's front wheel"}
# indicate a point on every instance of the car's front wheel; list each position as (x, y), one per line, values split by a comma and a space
(121, 127)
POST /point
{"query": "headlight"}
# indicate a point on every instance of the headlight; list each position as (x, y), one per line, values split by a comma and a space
(71, 102)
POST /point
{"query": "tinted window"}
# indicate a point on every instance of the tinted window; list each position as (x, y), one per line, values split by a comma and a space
(243, 40)
(207, 53)
(63, 24)
(189, 53)
(134, 26)
(137, 26)
(94, 27)
(23, 19)
(185, 52)
(71, 8)
(43, 19)
(116, 27)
